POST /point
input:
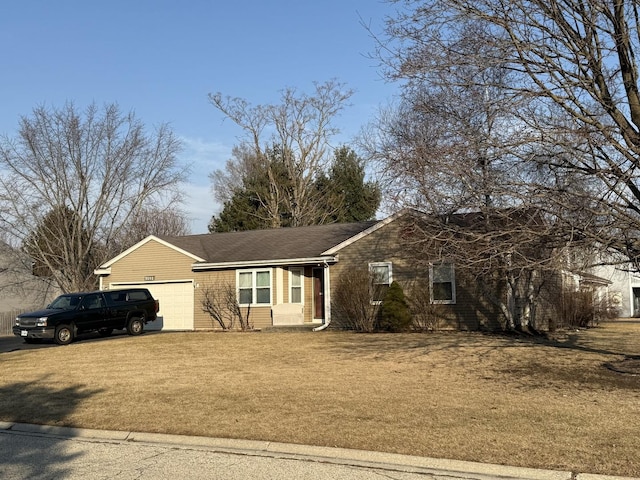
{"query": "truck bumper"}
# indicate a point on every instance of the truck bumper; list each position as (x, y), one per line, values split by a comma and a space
(38, 332)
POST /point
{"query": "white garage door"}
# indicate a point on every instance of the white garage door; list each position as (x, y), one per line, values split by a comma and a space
(176, 304)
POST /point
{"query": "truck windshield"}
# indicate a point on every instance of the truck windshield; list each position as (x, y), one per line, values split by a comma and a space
(65, 302)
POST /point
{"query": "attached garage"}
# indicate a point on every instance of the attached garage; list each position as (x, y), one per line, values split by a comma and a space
(166, 271)
(176, 303)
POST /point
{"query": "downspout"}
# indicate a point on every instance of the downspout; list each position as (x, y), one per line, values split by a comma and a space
(327, 299)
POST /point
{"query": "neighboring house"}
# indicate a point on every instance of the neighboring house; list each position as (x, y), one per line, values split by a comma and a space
(287, 275)
(19, 289)
(584, 281)
(603, 302)
(624, 288)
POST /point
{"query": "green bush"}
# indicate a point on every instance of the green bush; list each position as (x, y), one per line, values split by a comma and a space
(395, 315)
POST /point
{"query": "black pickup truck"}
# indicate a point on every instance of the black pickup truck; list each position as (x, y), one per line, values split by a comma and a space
(101, 311)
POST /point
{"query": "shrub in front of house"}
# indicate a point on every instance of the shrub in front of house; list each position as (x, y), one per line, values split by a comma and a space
(424, 313)
(582, 309)
(395, 315)
(221, 303)
(352, 307)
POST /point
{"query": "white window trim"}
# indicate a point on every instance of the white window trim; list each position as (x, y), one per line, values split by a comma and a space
(300, 270)
(453, 285)
(381, 264)
(254, 287)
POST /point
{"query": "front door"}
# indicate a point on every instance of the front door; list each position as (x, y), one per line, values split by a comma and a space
(318, 294)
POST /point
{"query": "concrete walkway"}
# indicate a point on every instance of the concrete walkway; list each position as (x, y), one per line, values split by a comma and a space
(455, 469)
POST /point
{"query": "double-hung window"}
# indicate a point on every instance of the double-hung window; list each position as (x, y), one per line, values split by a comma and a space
(442, 283)
(295, 285)
(254, 287)
(381, 278)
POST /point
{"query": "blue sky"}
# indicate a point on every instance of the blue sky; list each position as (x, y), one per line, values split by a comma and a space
(162, 58)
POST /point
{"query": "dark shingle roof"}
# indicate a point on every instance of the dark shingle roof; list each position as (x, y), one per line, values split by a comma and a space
(273, 244)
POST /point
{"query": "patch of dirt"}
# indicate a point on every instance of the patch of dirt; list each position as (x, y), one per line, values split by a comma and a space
(628, 366)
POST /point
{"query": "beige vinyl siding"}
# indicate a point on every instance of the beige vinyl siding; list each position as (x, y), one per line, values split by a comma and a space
(216, 280)
(285, 284)
(151, 260)
(384, 245)
(155, 263)
(379, 246)
(261, 317)
(219, 279)
(308, 295)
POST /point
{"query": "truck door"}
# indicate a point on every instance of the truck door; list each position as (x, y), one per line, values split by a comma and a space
(91, 312)
(117, 308)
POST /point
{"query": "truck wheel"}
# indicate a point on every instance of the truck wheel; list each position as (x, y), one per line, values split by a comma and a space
(105, 332)
(135, 325)
(64, 335)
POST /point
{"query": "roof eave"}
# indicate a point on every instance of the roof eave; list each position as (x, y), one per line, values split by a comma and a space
(265, 263)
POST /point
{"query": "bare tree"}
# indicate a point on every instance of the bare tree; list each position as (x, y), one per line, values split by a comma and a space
(221, 303)
(506, 257)
(483, 217)
(226, 182)
(214, 304)
(98, 169)
(451, 147)
(301, 126)
(155, 220)
(574, 62)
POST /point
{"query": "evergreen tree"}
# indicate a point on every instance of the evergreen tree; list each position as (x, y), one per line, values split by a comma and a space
(395, 315)
(357, 199)
(264, 198)
(259, 201)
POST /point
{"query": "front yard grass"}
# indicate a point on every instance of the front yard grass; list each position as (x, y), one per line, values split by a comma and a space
(468, 396)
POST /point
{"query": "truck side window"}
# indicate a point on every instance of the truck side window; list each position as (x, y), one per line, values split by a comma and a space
(92, 301)
(137, 295)
(117, 297)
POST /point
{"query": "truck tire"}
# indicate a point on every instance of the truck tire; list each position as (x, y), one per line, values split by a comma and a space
(63, 335)
(135, 326)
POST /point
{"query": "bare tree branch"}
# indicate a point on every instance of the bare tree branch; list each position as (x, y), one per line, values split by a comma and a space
(101, 166)
(301, 126)
(573, 69)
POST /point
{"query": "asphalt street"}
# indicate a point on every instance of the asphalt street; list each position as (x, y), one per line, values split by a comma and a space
(46, 457)
(49, 452)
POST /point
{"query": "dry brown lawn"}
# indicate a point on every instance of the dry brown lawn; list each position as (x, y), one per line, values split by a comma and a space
(470, 396)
